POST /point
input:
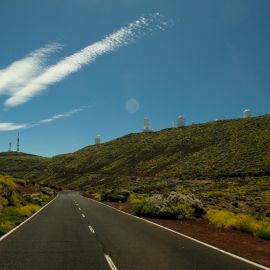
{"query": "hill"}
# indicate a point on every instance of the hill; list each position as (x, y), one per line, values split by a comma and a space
(22, 165)
(221, 149)
(225, 164)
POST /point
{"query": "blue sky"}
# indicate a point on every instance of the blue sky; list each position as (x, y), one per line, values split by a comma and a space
(210, 61)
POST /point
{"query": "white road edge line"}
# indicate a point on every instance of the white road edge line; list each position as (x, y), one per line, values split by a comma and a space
(83, 215)
(110, 262)
(91, 229)
(17, 227)
(188, 237)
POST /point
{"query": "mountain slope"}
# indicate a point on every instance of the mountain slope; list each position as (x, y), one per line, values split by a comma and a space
(221, 149)
(214, 150)
(22, 165)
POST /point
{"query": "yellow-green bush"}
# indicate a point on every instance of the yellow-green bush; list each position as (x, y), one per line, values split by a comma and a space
(97, 196)
(8, 181)
(134, 198)
(3, 202)
(19, 181)
(241, 222)
(6, 226)
(15, 199)
(9, 218)
(28, 210)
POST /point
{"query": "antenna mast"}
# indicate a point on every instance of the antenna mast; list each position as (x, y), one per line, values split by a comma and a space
(18, 142)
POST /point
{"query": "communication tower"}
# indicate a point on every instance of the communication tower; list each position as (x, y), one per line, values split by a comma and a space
(9, 147)
(18, 142)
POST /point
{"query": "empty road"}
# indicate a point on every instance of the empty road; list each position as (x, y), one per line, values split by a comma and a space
(77, 233)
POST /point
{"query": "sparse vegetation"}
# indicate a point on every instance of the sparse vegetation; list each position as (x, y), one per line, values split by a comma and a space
(216, 150)
(19, 199)
(225, 164)
(241, 222)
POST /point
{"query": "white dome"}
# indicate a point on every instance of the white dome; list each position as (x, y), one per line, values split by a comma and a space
(247, 113)
(180, 121)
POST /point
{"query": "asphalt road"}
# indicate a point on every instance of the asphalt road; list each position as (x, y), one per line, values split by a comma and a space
(74, 232)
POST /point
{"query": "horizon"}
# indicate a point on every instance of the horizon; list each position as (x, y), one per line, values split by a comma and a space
(69, 73)
(123, 135)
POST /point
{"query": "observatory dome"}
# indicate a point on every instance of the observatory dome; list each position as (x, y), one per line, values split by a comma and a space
(247, 113)
(180, 121)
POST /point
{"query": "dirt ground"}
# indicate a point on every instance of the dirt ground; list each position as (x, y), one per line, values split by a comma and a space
(239, 243)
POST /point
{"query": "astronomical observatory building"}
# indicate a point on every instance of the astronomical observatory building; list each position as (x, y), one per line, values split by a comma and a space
(98, 139)
(146, 125)
(247, 113)
(180, 121)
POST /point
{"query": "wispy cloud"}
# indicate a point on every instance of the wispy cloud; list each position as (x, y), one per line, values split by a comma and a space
(11, 126)
(21, 72)
(60, 116)
(55, 73)
(16, 126)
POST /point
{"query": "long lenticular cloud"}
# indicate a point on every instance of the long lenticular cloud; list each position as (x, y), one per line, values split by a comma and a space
(21, 72)
(16, 126)
(123, 37)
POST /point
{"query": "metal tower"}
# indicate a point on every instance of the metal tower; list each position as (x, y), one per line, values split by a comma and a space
(18, 142)
(9, 147)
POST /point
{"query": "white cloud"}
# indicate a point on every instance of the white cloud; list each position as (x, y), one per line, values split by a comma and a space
(21, 72)
(60, 116)
(76, 61)
(15, 126)
(11, 126)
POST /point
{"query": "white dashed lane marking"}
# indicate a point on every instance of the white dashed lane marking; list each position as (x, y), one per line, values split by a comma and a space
(110, 262)
(91, 229)
(83, 215)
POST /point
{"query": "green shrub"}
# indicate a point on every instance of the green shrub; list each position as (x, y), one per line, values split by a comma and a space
(115, 195)
(135, 199)
(20, 181)
(15, 199)
(97, 196)
(177, 206)
(28, 210)
(185, 211)
(8, 181)
(242, 222)
(104, 194)
(9, 218)
(3, 202)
